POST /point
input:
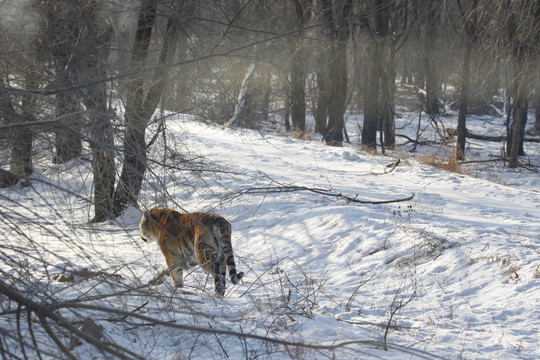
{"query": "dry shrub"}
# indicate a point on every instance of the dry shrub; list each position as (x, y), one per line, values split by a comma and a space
(442, 159)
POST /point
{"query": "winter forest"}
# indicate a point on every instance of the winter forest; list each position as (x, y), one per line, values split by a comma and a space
(378, 161)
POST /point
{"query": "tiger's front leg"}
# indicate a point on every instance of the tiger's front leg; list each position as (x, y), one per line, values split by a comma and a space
(174, 264)
(159, 277)
(177, 275)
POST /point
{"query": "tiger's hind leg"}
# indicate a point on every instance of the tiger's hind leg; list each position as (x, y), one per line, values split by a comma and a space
(220, 268)
(212, 261)
(225, 231)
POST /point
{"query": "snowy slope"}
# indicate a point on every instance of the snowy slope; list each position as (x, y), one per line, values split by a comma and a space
(452, 273)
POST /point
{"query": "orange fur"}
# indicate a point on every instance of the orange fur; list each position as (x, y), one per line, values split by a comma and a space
(189, 239)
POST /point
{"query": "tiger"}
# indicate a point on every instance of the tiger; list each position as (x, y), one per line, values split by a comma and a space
(188, 240)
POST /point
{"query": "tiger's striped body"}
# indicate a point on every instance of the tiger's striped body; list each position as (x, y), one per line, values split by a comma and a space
(187, 240)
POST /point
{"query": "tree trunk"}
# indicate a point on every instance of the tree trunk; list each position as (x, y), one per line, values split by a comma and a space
(337, 29)
(469, 25)
(68, 141)
(517, 129)
(98, 41)
(371, 98)
(298, 83)
(298, 69)
(387, 73)
(338, 91)
(321, 111)
(537, 99)
(519, 84)
(22, 137)
(139, 109)
(134, 163)
(21, 151)
(388, 89)
(463, 98)
(431, 50)
(63, 23)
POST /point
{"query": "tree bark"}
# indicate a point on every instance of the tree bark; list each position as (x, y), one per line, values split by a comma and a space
(519, 94)
(98, 40)
(321, 111)
(537, 99)
(134, 163)
(431, 50)
(387, 72)
(298, 83)
(63, 37)
(298, 70)
(371, 99)
(68, 141)
(388, 87)
(337, 29)
(139, 109)
(463, 98)
(470, 33)
(21, 138)
(338, 91)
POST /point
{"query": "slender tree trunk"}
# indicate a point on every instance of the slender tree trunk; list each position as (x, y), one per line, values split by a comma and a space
(298, 83)
(469, 26)
(63, 35)
(388, 89)
(134, 163)
(338, 31)
(321, 111)
(68, 139)
(431, 51)
(371, 99)
(387, 73)
(22, 137)
(21, 151)
(98, 41)
(519, 86)
(338, 91)
(517, 129)
(139, 109)
(463, 98)
(537, 99)
(298, 69)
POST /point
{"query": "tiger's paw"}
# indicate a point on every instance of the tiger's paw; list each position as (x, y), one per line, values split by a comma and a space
(219, 287)
(235, 278)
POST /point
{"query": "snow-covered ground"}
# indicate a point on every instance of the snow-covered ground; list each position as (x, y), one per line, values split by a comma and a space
(452, 273)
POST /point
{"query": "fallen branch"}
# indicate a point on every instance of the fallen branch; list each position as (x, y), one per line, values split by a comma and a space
(499, 138)
(265, 190)
(409, 140)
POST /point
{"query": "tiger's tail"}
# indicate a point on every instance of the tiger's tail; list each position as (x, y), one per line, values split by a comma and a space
(225, 232)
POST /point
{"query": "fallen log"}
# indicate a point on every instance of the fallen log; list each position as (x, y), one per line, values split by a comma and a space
(499, 138)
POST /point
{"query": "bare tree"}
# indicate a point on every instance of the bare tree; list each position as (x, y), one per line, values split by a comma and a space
(336, 19)
(298, 69)
(432, 16)
(63, 28)
(521, 40)
(97, 37)
(469, 19)
(142, 101)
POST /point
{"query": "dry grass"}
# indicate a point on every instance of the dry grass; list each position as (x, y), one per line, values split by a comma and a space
(442, 159)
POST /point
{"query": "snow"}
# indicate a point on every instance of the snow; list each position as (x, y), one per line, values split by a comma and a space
(452, 273)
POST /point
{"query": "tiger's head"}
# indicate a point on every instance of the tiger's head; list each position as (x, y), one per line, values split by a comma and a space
(147, 226)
